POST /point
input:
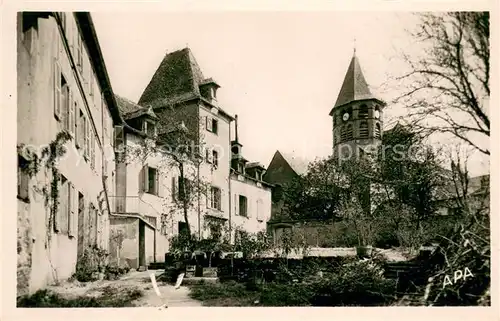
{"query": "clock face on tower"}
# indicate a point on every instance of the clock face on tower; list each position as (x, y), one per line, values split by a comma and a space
(377, 114)
(345, 117)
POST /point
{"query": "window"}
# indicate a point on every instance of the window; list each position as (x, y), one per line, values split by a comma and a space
(61, 223)
(80, 130)
(23, 179)
(212, 125)
(215, 198)
(86, 142)
(92, 151)
(57, 90)
(72, 228)
(152, 179)
(349, 131)
(183, 228)
(148, 180)
(343, 135)
(242, 201)
(184, 189)
(363, 111)
(149, 128)
(215, 158)
(79, 53)
(363, 130)
(377, 130)
(259, 210)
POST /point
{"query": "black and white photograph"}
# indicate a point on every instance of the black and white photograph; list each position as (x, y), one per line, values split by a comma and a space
(265, 158)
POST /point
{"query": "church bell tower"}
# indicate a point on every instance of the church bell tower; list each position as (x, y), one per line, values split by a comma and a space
(357, 114)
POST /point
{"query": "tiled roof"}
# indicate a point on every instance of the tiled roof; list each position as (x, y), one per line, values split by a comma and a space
(177, 80)
(130, 110)
(298, 164)
(178, 74)
(354, 86)
(254, 164)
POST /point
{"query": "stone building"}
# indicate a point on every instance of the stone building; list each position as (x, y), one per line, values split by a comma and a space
(62, 86)
(357, 115)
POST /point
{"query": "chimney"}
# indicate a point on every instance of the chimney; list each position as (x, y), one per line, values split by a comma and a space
(236, 128)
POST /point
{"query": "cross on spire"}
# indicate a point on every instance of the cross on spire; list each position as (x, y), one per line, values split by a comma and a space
(354, 45)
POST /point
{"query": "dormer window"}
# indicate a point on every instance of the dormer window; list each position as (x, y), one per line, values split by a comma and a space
(212, 125)
(149, 128)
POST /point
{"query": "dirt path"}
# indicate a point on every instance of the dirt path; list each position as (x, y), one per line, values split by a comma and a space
(170, 296)
(133, 280)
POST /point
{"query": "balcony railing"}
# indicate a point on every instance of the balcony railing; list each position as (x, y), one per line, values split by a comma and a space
(133, 205)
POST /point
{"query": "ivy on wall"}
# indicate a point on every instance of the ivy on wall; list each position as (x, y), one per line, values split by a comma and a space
(48, 161)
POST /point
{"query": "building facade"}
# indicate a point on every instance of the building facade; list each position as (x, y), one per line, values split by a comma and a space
(63, 104)
(178, 112)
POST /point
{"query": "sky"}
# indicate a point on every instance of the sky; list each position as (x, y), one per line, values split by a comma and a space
(280, 72)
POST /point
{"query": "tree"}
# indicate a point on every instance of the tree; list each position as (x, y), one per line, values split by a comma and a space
(447, 88)
(409, 172)
(468, 247)
(178, 143)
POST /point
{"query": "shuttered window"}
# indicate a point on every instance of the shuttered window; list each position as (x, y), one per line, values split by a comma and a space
(377, 130)
(363, 130)
(57, 89)
(72, 201)
(349, 131)
(363, 111)
(71, 114)
(92, 151)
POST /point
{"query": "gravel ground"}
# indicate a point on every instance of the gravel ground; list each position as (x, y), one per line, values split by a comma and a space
(134, 280)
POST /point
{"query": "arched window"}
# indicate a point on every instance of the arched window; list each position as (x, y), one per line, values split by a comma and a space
(363, 111)
(349, 131)
(377, 130)
(377, 107)
(363, 130)
(343, 133)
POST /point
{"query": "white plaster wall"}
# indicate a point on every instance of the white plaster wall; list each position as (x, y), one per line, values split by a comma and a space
(37, 127)
(248, 188)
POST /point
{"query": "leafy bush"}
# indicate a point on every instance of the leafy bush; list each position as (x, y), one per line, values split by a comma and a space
(92, 262)
(111, 297)
(298, 294)
(360, 283)
(113, 270)
(349, 283)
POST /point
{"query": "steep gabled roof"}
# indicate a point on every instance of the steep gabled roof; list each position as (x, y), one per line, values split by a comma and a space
(178, 74)
(354, 86)
(177, 80)
(297, 163)
(284, 167)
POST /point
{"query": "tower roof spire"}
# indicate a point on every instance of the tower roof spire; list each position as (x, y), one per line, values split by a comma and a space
(354, 86)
